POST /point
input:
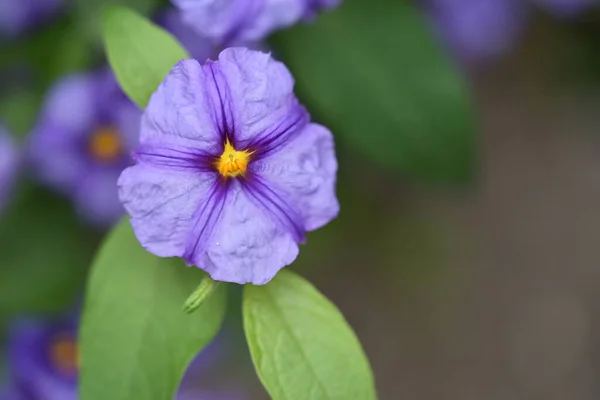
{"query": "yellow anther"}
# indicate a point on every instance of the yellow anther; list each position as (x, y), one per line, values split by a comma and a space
(232, 162)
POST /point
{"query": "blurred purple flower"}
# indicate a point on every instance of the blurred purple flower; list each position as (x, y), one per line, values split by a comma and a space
(566, 8)
(83, 141)
(197, 46)
(228, 22)
(477, 29)
(16, 16)
(43, 363)
(9, 165)
(230, 173)
(42, 360)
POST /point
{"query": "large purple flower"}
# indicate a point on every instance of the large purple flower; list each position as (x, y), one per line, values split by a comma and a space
(9, 162)
(242, 21)
(478, 29)
(83, 141)
(230, 173)
(17, 16)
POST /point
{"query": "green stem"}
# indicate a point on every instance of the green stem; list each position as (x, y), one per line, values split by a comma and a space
(203, 291)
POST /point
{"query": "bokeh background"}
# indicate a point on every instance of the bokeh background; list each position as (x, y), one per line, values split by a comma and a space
(466, 253)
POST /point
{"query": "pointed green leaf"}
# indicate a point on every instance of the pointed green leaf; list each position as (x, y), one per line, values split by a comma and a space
(301, 345)
(373, 73)
(135, 340)
(140, 53)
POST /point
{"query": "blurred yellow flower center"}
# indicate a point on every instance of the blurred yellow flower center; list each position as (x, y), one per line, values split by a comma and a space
(64, 354)
(105, 144)
(232, 162)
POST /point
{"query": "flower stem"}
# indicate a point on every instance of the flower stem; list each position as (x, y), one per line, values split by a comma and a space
(203, 291)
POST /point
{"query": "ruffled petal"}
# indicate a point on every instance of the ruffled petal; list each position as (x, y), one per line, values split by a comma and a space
(275, 202)
(247, 246)
(261, 89)
(182, 112)
(178, 158)
(205, 220)
(162, 204)
(306, 169)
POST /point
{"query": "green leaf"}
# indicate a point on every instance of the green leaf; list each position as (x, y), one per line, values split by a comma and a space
(301, 345)
(136, 342)
(88, 12)
(45, 253)
(140, 53)
(373, 73)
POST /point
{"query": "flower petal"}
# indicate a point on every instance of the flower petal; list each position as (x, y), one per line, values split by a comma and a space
(204, 222)
(262, 91)
(247, 245)
(275, 202)
(306, 168)
(175, 157)
(219, 20)
(182, 112)
(199, 47)
(276, 14)
(96, 196)
(56, 155)
(72, 105)
(162, 205)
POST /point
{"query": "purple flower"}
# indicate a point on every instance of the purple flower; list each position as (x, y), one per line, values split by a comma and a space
(9, 165)
(230, 173)
(478, 29)
(43, 363)
(42, 357)
(17, 16)
(83, 141)
(197, 46)
(242, 21)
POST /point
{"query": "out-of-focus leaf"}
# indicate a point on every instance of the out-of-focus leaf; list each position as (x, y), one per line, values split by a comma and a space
(372, 71)
(140, 53)
(18, 111)
(89, 13)
(44, 254)
(301, 345)
(136, 341)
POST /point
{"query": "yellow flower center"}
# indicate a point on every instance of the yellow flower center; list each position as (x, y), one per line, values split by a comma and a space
(64, 354)
(233, 162)
(106, 144)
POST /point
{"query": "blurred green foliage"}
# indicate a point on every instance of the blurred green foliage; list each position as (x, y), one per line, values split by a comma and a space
(373, 73)
(87, 13)
(45, 253)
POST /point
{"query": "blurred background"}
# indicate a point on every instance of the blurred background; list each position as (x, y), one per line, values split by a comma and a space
(465, 255)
